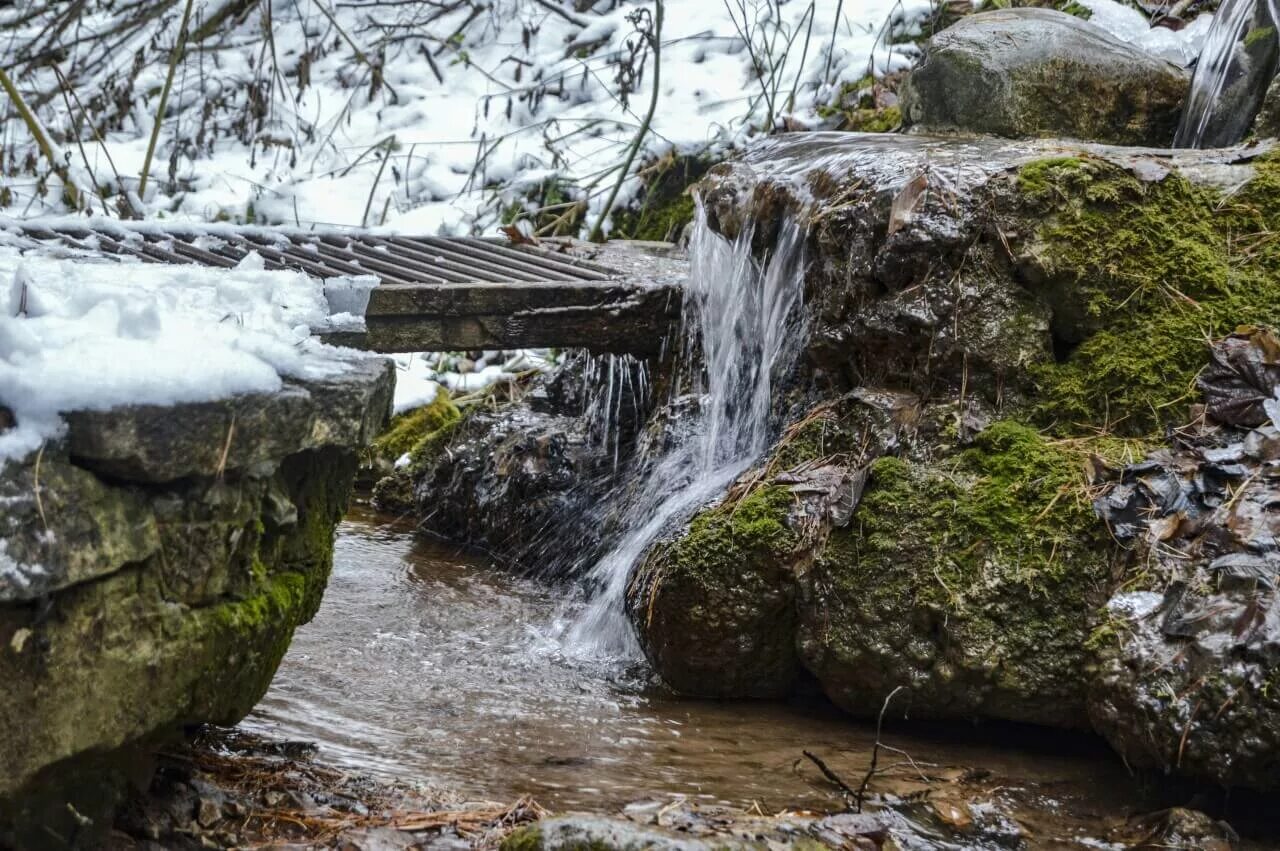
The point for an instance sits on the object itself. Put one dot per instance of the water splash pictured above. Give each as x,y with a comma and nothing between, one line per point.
740,334
1237,63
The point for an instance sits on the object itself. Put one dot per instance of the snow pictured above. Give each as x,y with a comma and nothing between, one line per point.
1128,24
79,334
524,98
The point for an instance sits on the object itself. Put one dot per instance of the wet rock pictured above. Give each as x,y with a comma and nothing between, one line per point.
716,606
968,579
147,583
1183,828
503,478
1187,656
1267,124
1026,73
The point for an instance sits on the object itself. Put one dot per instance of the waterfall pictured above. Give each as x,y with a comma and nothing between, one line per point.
1236,65
741,333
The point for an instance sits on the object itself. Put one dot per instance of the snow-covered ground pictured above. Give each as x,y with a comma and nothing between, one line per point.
424,116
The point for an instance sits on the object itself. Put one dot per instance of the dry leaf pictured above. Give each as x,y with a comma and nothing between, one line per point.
904,206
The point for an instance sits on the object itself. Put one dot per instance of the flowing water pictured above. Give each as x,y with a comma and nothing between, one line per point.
741,335
429,666
1237,63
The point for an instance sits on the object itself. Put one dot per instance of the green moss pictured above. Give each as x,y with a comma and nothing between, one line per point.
1141,275
855,105
1258,34
666,204
524,839
416,432
662,222
980,571
721,539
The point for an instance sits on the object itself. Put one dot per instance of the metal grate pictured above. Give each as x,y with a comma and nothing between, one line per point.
394,260
433,293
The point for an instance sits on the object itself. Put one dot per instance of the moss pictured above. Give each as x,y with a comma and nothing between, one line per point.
415,432
980,572
857,110
1141,274
666,204
662,222
1257,35
715,607
524,839
722,538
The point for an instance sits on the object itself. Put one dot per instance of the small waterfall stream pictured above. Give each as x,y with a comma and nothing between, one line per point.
1237,63
741,333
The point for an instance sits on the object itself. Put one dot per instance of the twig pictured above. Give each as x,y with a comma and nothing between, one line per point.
69,190
386,155
848,791
174,56
35,489
551,7
860,796
597,233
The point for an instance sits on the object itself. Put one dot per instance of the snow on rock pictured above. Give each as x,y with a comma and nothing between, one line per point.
79,334
1128,24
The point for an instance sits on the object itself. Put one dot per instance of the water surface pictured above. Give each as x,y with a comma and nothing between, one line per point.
431,666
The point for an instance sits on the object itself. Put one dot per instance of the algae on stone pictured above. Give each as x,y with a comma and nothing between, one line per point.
971,580
1142,274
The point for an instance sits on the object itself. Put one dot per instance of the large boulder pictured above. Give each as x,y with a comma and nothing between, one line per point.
153,566
1036,300
1026,73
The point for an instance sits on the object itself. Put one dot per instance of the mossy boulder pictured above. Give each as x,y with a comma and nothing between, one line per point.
130,608
970,579
716,606
1034,73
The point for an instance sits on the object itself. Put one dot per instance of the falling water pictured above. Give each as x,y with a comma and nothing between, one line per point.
1237,63
740,334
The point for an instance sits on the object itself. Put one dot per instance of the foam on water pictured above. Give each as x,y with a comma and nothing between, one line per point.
740,335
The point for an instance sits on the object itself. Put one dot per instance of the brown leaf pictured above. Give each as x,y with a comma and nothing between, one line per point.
905,204
517,235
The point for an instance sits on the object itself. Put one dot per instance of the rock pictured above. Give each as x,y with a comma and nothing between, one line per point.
716,607
148,443
995,282
1267,124
1188,654
1183,828
501,478
146,585
1029,73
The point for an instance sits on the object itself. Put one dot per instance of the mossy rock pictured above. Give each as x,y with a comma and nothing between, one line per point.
970,580
417,432
1039,73
715,606
1141,274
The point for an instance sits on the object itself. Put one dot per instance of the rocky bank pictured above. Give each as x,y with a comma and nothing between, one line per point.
155,563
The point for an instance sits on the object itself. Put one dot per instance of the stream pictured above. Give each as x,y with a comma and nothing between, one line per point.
430,666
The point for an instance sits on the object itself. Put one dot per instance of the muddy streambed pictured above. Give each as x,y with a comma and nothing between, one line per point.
430,666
